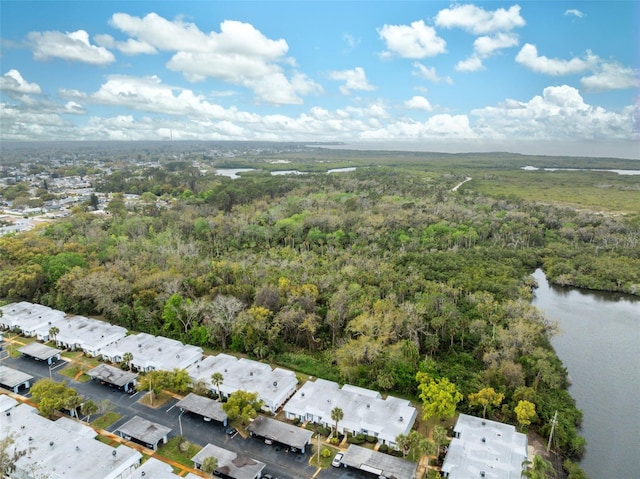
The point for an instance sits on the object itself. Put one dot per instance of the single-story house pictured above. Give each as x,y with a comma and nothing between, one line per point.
273,386
364,410
231,465
484,448
29,318
153,353
88,334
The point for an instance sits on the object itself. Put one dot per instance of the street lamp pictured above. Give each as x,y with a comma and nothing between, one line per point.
180,420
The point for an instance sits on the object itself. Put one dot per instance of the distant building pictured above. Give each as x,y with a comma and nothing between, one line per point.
365,412
379,464
88,335
29,319
484,449
273,386
230,464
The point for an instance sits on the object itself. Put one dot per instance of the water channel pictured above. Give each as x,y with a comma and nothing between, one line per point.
599,343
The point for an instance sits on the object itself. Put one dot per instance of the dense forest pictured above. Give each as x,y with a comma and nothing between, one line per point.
367,277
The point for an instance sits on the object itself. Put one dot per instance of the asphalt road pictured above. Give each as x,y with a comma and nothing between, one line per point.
280,463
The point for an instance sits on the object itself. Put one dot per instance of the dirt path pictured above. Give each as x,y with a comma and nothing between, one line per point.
455,188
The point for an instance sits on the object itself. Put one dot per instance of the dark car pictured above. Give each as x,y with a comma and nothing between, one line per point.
231,431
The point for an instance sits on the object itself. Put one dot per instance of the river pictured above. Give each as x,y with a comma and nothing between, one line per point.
599,343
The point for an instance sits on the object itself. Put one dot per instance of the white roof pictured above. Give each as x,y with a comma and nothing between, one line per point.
62,450
363,409
155,352
492,447
231,463
28,316
273,386
89,334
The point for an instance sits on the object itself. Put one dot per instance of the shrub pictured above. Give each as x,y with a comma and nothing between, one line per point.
184,446
383,448
359,439
326,452
371,439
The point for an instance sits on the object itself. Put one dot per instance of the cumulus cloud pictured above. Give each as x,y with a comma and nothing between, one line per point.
479,21
573,13
412,41
239,54
559,113
355,79
612,76
429,73
13,82
418,103
73,46
528,56
471,64
488,44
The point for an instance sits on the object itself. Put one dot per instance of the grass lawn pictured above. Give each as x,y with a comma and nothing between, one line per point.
155,400
172,450
105,420
76,372
327,453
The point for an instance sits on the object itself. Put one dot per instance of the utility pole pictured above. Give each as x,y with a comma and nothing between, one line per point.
180,421
554,421
318,448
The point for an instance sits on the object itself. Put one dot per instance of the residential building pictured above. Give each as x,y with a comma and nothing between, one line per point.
87,334
29,319
364,410
484,449
230,464
273,386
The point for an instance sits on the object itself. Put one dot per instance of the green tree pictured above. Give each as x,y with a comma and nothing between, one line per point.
242,404
539,468
52,396
126,359
439,396
209,465
484,398
525,412
53,332
89,408
337,415
439,435
216,380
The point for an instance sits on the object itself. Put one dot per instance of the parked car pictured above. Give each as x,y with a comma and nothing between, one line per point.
231,431
268,441
337,460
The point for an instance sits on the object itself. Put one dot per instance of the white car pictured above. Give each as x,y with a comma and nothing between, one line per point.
337,461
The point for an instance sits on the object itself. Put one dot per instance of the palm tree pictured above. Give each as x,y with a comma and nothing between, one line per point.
439,436
216,380
127,358
53,332
88,408
209,465
337,415
403,442
540,468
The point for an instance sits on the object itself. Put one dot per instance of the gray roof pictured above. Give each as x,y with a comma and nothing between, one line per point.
204,406
11,378
230,463
111,375
144,430
39,351
280,431
379,463
492,447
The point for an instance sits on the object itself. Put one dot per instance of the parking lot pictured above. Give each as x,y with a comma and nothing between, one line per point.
281,462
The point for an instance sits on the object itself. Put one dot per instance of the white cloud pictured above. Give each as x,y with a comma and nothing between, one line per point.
355,79
350,40
74,46
135,47
429,73
471,64
478,21
612,76
239,54
418,103
574,13
13,82
489,44
559,113
412,41
528,56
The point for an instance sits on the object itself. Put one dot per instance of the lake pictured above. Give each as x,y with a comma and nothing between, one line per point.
599,343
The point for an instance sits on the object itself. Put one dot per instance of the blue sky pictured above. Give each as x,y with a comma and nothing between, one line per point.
545,77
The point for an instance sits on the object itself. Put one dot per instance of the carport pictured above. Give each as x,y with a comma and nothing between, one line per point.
378,463
205,407
41,352
12,379
144,432
293,436
124,380
230,464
